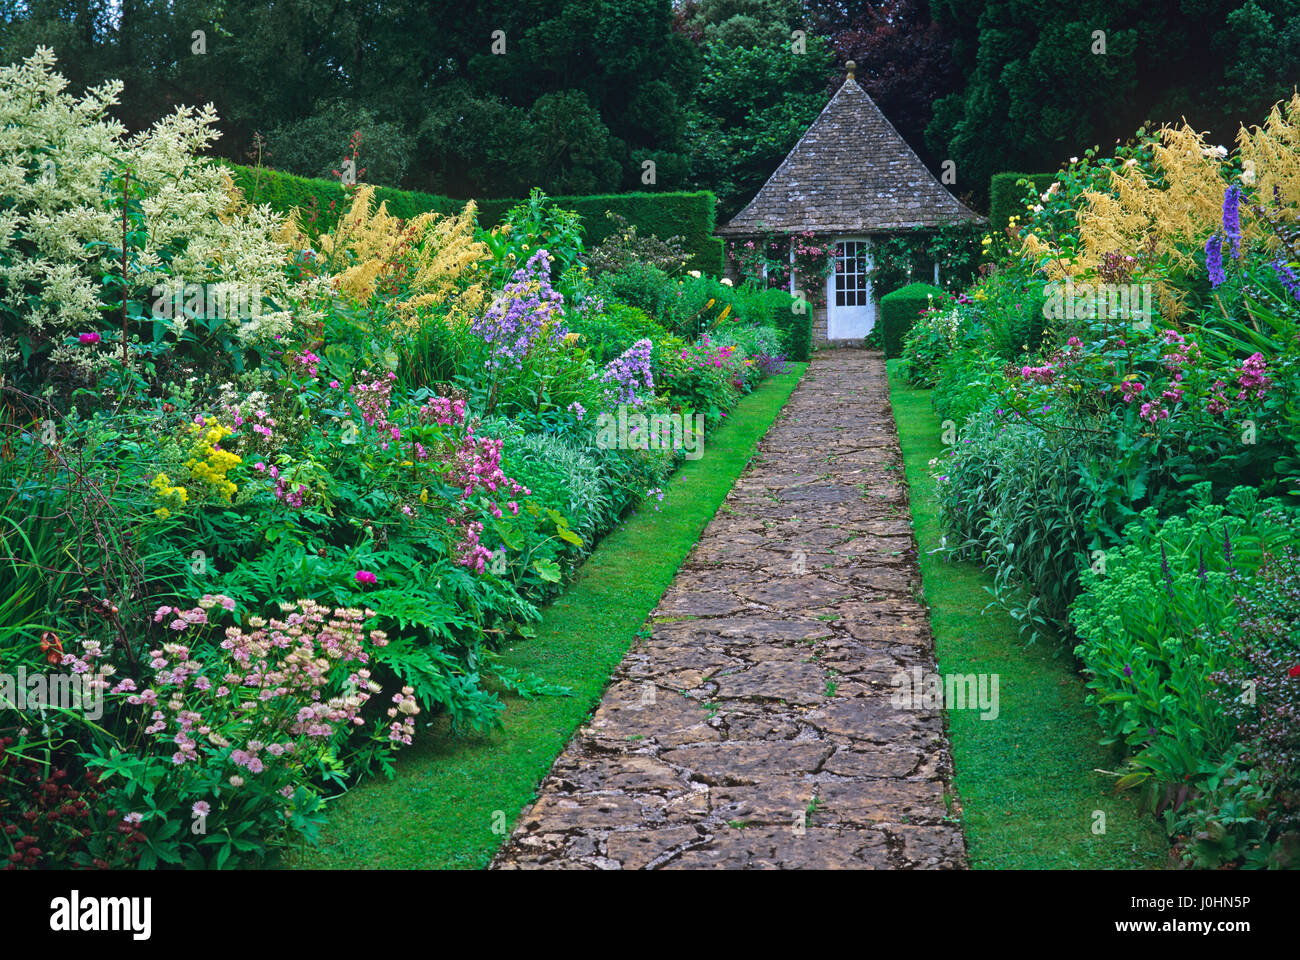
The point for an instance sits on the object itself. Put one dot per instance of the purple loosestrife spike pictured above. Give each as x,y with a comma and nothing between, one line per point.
1164,569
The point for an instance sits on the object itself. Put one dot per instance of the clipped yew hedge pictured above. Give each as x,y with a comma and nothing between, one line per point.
899,310
284,191
689,215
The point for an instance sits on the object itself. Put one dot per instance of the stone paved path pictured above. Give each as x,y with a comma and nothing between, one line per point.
754,727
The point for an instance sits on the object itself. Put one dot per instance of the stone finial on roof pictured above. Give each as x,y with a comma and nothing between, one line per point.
853,69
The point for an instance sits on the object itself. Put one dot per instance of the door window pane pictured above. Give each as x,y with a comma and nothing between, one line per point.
851,274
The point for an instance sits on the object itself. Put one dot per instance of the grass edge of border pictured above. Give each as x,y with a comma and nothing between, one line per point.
1045,744
475,787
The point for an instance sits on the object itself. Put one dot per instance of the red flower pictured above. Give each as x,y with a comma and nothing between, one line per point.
1294,671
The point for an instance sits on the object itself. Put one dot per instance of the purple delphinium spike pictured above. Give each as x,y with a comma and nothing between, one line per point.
1214,260
1287,277
1232,218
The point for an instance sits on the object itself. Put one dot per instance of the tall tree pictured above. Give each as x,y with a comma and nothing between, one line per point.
751,108
304,67
904,59
1044,80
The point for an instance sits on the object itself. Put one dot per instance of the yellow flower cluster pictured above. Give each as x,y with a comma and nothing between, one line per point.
207,464
169,494
207,467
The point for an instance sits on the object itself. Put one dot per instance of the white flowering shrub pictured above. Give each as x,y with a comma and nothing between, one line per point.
57,152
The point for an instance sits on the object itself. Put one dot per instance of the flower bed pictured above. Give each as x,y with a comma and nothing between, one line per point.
1121,395
371,476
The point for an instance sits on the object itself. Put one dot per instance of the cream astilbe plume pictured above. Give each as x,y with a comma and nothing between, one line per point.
1273,153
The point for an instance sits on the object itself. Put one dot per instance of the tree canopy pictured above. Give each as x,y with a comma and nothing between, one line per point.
488,98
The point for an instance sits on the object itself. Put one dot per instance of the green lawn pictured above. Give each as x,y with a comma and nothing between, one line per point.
1027,780
451,791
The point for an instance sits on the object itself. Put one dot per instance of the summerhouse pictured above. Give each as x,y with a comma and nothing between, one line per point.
850,180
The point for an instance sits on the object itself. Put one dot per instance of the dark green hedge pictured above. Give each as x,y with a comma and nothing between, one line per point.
899,310
284,191
1006,199
795,327
688,215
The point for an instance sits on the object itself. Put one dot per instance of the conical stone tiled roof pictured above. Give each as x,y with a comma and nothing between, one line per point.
851,173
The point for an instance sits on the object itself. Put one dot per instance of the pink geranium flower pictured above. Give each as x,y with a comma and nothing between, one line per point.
365,576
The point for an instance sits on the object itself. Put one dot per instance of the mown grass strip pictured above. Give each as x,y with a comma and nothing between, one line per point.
1027,780
450,791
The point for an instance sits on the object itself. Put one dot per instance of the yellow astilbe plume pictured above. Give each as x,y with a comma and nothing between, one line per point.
1168,217
433,258
1270,155
446,256
291,233
1055,267
362,245
236,205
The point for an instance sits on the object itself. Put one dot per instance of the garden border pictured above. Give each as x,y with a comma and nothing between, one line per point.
455,799
1030,781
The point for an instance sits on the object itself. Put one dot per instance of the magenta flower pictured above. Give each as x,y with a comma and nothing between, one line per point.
1253,380
365,576
86,338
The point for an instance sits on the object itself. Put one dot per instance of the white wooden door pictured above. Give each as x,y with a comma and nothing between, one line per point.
850,303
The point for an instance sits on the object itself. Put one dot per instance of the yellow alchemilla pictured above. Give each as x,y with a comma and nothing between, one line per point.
207,465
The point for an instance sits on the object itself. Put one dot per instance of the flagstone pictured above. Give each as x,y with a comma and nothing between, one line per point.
755,726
